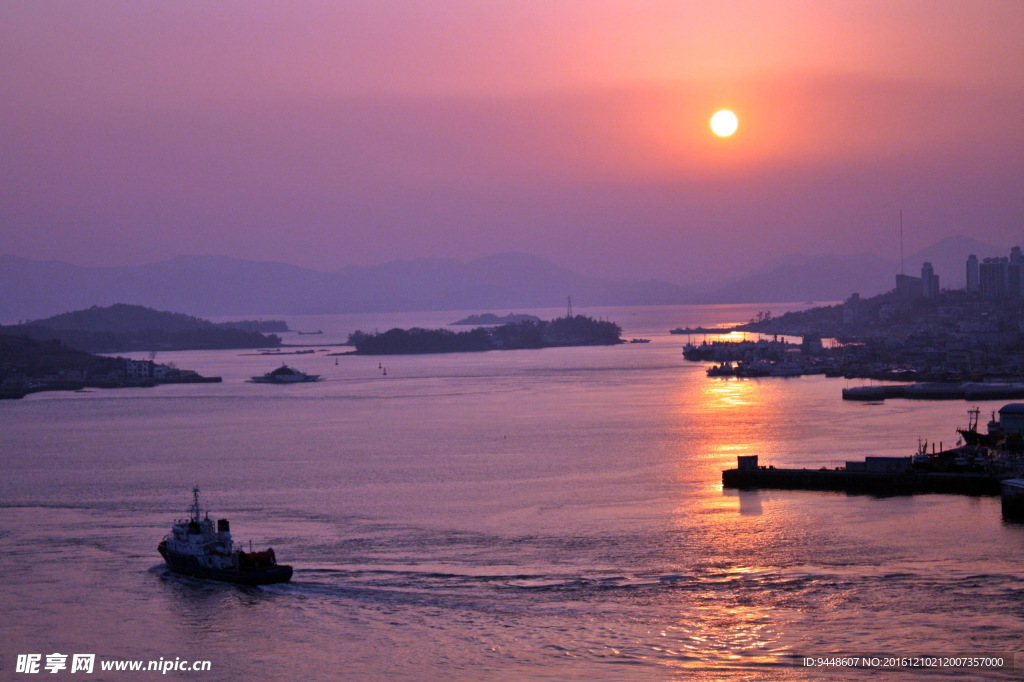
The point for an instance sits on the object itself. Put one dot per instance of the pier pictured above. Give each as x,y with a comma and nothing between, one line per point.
937,391
1013,499
749,476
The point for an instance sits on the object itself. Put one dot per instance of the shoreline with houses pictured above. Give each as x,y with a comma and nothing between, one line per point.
29,366
915,333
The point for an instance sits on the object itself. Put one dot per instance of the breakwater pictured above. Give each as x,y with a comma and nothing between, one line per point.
937,391
864,482
1013,499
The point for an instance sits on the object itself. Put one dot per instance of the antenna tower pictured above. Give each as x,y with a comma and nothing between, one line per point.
901,241
569,311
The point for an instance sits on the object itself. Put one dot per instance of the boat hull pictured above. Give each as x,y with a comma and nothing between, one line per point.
187,565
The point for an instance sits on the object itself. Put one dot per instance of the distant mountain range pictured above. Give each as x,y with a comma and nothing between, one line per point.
219,285
223,286
835,277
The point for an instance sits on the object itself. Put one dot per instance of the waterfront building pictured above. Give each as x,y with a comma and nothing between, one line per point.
138,369
1011,418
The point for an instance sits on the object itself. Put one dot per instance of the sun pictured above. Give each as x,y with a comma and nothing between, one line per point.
724,123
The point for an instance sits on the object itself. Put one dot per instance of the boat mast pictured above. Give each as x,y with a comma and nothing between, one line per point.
195,504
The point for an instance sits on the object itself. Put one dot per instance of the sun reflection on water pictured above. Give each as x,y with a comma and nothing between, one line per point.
730,417
726,635
735,618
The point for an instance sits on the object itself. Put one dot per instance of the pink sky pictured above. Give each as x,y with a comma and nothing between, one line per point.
328,134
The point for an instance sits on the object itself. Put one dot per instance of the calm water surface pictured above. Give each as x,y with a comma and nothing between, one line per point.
552,514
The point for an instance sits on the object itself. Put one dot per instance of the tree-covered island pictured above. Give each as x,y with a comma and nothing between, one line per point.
490,319
121,327
578,330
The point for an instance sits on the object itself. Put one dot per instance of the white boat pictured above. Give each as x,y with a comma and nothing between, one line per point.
285,375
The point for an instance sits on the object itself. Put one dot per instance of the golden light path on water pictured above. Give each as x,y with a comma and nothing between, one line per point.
730,417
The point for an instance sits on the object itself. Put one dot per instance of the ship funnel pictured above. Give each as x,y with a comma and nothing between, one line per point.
223,530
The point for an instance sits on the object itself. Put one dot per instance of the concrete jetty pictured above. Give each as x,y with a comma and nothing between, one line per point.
883,479
937,391
1013,499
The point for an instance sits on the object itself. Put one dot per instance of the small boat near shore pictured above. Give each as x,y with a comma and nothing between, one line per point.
285,375
199,548
725,369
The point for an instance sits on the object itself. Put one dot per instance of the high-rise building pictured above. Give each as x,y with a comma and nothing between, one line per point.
973,280
993,277
1002,277
929,281
1015,280
1015,276
908,288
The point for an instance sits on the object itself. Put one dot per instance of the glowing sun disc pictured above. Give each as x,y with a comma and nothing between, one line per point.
724,123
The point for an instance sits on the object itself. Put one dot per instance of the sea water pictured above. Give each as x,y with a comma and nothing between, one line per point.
539,514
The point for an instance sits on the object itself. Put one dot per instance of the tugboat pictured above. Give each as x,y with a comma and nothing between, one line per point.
194,548
285,375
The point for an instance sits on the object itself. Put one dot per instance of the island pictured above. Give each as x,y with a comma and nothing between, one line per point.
29,365
490,319
121,327
578,330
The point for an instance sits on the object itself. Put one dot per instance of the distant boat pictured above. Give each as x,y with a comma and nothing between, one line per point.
318,331
285,375
700,330
639,340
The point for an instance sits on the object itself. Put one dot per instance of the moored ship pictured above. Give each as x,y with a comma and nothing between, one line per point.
199,548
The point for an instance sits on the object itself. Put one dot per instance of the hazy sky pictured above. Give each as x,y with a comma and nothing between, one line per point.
344,132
